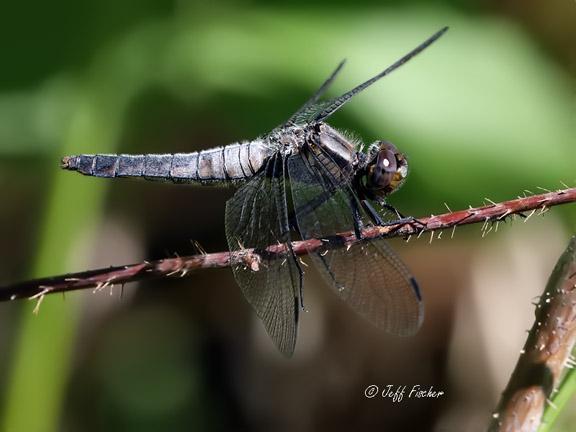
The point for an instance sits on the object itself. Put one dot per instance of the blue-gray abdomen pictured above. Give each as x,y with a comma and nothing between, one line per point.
234,162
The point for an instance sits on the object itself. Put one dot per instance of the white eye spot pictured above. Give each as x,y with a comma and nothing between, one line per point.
386,163
403,171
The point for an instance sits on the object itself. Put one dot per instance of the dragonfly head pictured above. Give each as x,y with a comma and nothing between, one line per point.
386,171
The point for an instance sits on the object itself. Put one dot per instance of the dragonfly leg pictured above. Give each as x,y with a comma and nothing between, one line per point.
372,213
393,210
357,218
411,221
402,220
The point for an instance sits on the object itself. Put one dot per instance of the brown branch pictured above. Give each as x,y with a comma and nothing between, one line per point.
545,354
101,278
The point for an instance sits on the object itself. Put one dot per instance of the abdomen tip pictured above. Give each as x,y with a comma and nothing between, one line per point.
67,162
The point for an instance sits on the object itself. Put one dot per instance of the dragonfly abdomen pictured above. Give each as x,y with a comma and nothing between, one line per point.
234,162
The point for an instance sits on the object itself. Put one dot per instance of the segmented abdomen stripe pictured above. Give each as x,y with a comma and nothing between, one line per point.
233,162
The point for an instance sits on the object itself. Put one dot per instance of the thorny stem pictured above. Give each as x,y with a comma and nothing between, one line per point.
99,279
546,353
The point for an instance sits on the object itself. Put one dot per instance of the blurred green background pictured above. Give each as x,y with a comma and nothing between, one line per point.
488,111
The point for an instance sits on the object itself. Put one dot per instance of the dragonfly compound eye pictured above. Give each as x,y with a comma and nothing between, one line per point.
387,171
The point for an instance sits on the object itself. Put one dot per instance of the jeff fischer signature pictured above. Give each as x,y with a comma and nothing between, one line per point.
397,392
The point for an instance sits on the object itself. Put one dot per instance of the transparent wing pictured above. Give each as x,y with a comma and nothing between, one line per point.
335,104
377,284
314,111
368,276
256,217
311,108
308,113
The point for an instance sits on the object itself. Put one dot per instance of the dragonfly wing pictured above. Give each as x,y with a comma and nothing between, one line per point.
368,276
256,217
375,283
312,108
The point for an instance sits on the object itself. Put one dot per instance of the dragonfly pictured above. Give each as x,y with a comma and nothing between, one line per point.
304,179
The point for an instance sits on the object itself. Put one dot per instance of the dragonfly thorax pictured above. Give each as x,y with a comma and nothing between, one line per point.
341,148
289,139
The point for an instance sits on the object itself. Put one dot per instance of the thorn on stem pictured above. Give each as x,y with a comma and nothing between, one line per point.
38,303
